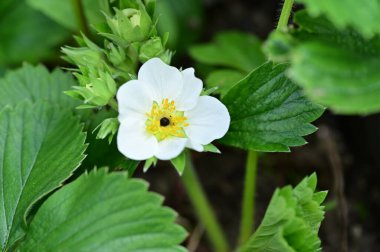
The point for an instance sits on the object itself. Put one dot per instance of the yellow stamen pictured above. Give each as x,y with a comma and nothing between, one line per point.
177,120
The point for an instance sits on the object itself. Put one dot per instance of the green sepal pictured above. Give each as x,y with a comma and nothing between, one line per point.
149,162
107,128
209,91
211,148
179,162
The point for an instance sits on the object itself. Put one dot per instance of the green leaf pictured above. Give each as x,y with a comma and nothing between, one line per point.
63,12
224,79
268,111
338,69
104,212
291,222
179,163
27,35
35,83
40,146
362,15
237,50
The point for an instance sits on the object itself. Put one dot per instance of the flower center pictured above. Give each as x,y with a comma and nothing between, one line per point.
164,120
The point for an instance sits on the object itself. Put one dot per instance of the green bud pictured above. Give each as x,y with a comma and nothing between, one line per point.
87,55
95,87
129,25
107,128
151,49
116,55
83,56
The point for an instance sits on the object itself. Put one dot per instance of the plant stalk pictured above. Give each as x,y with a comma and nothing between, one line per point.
203,208
285,14
248,204
81,17
113,104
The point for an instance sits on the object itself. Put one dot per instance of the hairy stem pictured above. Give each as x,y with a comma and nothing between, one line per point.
203,208
248,204
285,14
81,17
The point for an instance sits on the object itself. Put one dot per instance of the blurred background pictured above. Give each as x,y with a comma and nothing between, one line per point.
345,152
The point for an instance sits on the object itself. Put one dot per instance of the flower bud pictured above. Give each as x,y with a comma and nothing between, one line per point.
96,87
107,128
129,25
151,49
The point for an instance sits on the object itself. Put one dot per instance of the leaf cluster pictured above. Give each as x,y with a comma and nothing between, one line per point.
292,220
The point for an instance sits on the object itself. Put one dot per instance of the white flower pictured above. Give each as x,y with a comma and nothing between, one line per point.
162,112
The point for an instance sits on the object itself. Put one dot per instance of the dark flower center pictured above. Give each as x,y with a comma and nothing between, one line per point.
164,121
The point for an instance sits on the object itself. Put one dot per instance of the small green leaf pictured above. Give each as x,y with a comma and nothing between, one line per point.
291,222
268,111
338,69
40,146
179,163
211,148
237,50
104,212
362,15
35,83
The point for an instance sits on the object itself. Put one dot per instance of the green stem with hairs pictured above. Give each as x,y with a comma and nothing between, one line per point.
248,203
203,208
285,14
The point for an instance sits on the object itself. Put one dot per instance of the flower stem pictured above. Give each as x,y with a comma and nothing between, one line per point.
285,14
81,17
203,208
248,204
113,104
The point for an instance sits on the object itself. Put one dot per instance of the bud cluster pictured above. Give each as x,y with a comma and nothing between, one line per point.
129,39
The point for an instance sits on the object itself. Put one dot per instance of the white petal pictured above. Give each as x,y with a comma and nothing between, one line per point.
208,121
195,146
133,96
170,148
162,81
192,88
134,142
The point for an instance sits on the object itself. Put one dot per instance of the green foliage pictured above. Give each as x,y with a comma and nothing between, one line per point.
35,83
40,146
64,13
292,220
337,68
182,19
27,35
268,111
230,49
364,16
112,213
234,53
223,79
